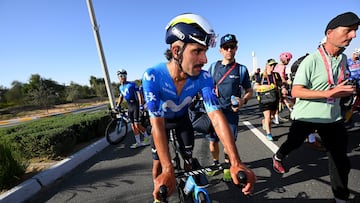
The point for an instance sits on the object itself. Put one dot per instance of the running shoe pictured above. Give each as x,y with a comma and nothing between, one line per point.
136,145
276,122
146,141
227,175
269,137
278,166
213,172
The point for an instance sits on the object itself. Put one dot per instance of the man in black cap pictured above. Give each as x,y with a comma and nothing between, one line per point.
318,86
229,77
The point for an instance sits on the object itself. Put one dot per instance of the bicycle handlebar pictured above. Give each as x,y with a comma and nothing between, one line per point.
163,194
241,178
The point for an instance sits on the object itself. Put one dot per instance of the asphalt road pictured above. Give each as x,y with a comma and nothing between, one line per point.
120,174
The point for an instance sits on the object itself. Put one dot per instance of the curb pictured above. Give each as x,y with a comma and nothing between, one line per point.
34,185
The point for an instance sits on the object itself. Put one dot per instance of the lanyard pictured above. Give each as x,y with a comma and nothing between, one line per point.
227,73
328,68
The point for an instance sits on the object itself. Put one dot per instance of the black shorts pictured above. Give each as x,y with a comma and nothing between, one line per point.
184,134
271,106
133,112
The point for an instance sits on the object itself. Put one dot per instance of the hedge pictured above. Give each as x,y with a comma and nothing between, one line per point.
49,138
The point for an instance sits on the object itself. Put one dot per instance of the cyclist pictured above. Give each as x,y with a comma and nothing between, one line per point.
169,89
280,68
133,97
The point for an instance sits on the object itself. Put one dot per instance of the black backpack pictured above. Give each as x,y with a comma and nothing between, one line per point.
296,65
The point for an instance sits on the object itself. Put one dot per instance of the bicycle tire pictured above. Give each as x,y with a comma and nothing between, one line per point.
182,196
116,131
202,197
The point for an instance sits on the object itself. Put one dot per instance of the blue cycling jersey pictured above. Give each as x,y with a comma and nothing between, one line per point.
128,91
162,99
354,67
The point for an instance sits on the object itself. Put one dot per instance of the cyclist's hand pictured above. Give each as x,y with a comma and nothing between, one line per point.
250,176
167,179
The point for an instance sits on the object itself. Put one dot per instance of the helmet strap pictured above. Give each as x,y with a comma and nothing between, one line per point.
179,58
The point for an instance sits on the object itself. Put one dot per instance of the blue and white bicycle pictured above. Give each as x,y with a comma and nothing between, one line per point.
191,185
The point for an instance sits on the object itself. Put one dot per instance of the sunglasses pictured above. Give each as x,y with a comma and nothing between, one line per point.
230,46
122,76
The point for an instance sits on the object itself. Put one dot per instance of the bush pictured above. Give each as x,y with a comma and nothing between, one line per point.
48,138
12,164
55,136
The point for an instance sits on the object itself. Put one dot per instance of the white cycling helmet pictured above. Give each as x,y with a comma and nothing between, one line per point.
121,72
190,28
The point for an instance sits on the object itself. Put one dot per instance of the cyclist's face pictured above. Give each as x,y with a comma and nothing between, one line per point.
194,58
122,78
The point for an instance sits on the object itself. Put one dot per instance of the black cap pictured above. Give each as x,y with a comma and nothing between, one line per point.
228,38
343,20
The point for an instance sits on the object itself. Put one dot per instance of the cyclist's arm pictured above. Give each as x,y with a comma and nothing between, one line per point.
223,131
120,99
167,176
140,97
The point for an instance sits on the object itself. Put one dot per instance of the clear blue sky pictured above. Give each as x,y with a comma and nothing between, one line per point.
54,38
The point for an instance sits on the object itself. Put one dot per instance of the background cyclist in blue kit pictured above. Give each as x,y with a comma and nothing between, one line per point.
130,92
168,91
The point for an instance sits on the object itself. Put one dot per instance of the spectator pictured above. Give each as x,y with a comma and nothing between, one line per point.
280,68
229,77
269,80
318,91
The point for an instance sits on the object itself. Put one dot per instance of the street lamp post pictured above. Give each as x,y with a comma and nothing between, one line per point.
101,54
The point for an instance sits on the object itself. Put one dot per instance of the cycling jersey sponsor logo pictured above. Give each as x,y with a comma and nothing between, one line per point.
169,91
178,33
150,97
206,74
234,76
149,77
190,87
173,107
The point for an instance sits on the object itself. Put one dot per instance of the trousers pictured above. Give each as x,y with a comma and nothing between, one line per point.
335,139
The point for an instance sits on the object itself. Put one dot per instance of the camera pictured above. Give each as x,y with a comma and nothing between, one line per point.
351,82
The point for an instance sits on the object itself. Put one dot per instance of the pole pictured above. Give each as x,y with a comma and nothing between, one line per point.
254,61
101,54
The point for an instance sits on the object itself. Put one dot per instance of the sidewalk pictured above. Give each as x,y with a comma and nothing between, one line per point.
34,185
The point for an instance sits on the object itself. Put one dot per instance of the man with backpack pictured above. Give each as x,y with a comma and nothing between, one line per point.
229,78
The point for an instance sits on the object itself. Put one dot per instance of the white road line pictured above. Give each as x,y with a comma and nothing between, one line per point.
273,147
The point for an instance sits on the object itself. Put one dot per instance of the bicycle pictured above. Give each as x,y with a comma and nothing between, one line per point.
117,128
191,185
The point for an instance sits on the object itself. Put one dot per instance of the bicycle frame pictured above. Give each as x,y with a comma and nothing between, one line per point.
189,186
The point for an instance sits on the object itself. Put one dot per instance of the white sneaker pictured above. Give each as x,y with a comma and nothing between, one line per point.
136,145
275,121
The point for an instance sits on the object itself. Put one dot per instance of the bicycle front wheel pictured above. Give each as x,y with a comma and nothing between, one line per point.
201,198
116,131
